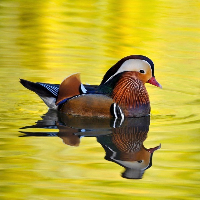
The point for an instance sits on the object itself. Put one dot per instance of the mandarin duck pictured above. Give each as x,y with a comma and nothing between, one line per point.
121,93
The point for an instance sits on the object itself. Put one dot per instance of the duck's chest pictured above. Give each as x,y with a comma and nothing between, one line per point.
137,111
132,97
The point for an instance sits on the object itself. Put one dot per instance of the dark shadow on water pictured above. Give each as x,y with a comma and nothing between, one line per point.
121,140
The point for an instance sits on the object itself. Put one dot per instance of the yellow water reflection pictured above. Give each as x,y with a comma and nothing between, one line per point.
122,139
48,40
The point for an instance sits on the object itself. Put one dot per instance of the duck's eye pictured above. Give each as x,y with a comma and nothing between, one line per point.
139,161
142,71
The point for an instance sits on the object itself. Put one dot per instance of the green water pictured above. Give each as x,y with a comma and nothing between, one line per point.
46,41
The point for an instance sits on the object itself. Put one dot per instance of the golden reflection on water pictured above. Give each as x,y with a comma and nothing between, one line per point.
122,139
49,40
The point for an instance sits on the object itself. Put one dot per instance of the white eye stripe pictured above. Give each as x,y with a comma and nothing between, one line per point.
148,64
132,65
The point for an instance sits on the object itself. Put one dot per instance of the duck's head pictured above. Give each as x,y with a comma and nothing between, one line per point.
142,65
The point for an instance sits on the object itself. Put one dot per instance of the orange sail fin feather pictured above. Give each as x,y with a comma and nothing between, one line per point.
69,87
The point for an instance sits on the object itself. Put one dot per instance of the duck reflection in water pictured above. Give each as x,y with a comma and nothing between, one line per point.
121,140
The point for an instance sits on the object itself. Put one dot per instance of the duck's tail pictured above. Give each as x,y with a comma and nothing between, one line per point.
47,92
